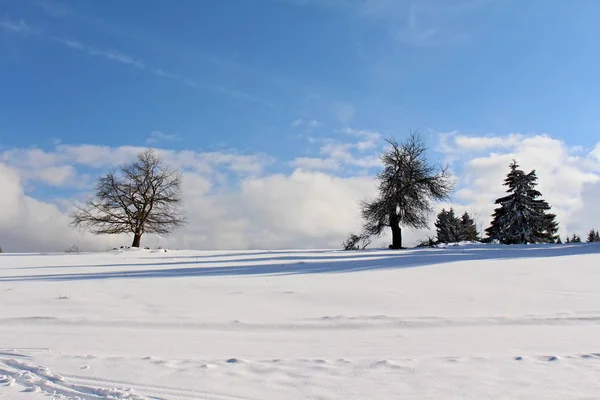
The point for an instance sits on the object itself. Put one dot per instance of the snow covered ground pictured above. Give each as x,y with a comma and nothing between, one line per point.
464,322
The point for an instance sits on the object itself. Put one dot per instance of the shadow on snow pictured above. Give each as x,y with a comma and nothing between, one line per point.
315,262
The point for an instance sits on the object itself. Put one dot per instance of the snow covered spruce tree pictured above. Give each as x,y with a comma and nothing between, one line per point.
522,216
575,238
408,184
448,227
468,229
144,197
593,236
451,229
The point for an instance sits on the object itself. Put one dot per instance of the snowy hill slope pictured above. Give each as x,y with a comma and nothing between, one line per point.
475,321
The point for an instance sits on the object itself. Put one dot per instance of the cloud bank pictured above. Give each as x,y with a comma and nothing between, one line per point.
236,201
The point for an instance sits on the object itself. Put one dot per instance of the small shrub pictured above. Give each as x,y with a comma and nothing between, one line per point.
357,242
73,249
429,242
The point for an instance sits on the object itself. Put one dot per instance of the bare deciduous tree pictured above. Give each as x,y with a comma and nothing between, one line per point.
407,186
145,197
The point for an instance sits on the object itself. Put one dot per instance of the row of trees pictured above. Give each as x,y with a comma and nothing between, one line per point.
145,196
522,216
593,237
451,229
409,184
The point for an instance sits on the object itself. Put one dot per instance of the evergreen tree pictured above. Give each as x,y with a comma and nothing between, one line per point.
522,217
597,239
559,241
468,229
568,240
592,236
448,227
575,238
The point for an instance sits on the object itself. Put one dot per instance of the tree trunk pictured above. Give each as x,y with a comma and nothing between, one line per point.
396,232
136,240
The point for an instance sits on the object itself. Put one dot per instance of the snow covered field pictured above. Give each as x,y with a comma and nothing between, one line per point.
465,322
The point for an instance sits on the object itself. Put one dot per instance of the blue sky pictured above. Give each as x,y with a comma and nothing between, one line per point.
256,88
478,66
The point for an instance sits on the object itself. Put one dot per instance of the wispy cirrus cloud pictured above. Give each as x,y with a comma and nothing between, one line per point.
303,123
316,163
21,27
417,23
16,26
117,56
112,55
55,9
159,137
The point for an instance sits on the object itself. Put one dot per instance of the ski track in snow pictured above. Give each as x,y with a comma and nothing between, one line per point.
40,379
464,322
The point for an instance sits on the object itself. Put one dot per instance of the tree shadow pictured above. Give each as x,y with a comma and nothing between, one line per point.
310,263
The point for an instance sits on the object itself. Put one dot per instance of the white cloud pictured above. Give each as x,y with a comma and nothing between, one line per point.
468,143
158,136
341,154
354,153
314,163
596,152
58,167
454,143
299,123
28,224
232,203
303,209
587,216
368,139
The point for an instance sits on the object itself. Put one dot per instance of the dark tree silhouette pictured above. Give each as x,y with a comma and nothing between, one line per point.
144,197
593,236
575,238
451,229
468,231
407,186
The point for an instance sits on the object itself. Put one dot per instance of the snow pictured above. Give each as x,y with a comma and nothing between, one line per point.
457,322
